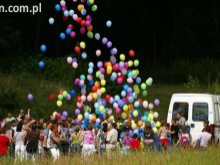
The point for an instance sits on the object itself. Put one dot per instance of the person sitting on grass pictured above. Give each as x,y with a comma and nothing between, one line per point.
148,136
135,143
204,139
183,139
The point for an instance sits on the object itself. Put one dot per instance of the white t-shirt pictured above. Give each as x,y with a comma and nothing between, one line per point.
112,136
19,138
205,138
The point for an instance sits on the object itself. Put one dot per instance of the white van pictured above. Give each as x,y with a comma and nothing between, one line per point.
196,108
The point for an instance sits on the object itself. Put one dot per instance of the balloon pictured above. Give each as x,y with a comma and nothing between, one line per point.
122,57
157,102
143,86
145,104
124,115
109,23
156,115
59,103
69,60
118,111
134,126
60,97
98,53
82,45
62,36
140,123
52,96
149,81
65,114
109,44
90,34
155,130
84,55
136,63
73,34
41,64
150,106
77,49
57,7
75,65
58,116
97,36
30,97
135,113
79,117
43,48
94,8
158,124
131,53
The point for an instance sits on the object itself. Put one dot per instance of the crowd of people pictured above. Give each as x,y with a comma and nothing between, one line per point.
25,138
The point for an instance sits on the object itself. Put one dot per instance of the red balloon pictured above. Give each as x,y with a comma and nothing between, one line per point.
60,92
52,96
77,49
78,99
107,98
94,89
131,53
65,18
83,23
79,19
70,26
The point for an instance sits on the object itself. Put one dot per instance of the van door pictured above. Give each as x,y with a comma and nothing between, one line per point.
198,115
216,121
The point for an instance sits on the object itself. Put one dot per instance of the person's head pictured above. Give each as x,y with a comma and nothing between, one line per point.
206,123
7,126
135,136
105,127
178,115
9,115
184,130
207,129
77,129
173,121
126,133
19,126
163,123
34,127
52,128
90,127
111,125
2,130
147,125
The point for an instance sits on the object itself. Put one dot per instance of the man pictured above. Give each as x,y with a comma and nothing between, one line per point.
181,119
174,131
10,118
112,137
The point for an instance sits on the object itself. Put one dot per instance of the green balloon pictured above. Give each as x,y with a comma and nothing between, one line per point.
149,81
98,73
90,34
143,86
136,63
60,97
144,93
65,93
94,8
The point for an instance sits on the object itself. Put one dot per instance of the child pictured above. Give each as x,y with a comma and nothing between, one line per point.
183,138
126,142
75,140
135,143
148,136
162,132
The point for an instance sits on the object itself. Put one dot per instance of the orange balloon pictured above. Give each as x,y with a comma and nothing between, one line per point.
80,7
90,28
140,123
97,84
109,70
131,107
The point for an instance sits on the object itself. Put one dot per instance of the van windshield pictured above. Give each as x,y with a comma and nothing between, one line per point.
200,112
180,107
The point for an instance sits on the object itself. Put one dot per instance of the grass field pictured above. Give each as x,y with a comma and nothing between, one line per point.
211,156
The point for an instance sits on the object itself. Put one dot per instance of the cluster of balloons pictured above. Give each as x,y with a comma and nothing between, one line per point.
94,102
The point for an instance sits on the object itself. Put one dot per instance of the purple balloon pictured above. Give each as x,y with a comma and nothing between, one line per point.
74,60
114,51
77,111
109,44
104,40
113,59
30,97
65,114
157,102
99,64
68,97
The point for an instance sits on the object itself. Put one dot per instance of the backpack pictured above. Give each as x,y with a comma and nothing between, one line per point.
184,140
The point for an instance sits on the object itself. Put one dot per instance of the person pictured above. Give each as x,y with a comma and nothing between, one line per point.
112,137
88,141
174,131
54,143
183,139
148,136
181,120
31,140
46,143
9,118
75,140
135,143
101,138
19,138
205,137
65,134
162,132
126,142
4,142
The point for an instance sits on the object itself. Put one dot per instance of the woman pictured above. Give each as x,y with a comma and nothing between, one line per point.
75,140
88,140
4,142
54,142
19,138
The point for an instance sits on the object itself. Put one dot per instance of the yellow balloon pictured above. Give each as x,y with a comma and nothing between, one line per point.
135,113
95,95
101,108
91,2
80,117
103,82
122,57
111,118
125,108
59,103
134,126
151,116
158,124
54,114
109,70
103,90
123,115
82,45
155,129
130,63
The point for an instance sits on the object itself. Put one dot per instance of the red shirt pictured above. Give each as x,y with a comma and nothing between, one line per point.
4,144
135,144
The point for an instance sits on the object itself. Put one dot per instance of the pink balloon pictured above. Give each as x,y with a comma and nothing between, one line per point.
73,34
118,111
69,60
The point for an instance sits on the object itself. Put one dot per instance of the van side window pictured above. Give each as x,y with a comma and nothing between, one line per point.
200,112
180,107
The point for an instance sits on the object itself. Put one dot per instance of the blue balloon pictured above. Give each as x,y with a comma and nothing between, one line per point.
123,93
82,77
90,70
62,36
84,55
66,13
57,7
97,111
86,123
136,104
91,65
96,105
51,20
130,99
68,31
138,80
83,12
43,48
72,92
109,23
91,82
41,64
